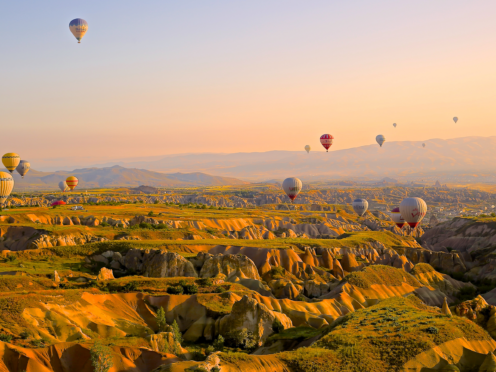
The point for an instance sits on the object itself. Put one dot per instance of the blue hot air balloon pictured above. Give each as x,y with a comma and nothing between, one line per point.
78,28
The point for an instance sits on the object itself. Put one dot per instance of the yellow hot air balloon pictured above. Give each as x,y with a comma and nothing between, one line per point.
6,186
11,161
71,182
307,148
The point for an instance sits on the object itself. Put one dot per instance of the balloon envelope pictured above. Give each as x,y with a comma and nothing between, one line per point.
396,217
59,202
413,210
292,187
326,141
394,125
63,186
455,119
23,167
6,186
11,160
307,148
360,206
380,139
78,28
423,145
71,182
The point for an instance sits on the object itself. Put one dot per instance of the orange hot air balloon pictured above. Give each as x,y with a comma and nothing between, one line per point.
72,182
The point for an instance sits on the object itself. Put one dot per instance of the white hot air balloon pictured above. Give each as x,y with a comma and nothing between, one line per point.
413,210
360,206
307,148
455,119
23,167
396,217
394,125
380,139
292,187
63,186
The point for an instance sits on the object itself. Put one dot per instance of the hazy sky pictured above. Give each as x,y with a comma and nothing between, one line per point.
159,77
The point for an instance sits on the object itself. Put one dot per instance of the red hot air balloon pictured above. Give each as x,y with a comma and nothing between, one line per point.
396,217
59,202
326,141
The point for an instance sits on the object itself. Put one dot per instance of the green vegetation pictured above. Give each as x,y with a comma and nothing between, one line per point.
161,320
380,274
101,357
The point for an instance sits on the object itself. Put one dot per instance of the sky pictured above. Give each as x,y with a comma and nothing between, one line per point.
160,77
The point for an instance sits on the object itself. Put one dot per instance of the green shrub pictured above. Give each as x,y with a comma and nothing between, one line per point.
190,289
175,290
277,326
204,282
5,337
161,320
101,357
220,290
432,330
219,344
209,350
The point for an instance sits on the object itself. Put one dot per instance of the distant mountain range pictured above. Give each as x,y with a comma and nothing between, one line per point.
460,160
469,159
118,176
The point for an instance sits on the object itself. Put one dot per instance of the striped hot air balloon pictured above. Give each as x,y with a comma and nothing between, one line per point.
78,28
6,186
326,141
23,168
413,210
71,182
396,217
11,160
292,187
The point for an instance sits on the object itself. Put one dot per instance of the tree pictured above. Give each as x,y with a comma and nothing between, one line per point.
161,320
178,338
101,357
219,344
277,326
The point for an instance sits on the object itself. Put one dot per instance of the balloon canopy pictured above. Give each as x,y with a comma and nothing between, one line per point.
292,187
360,206
396,217
380,139
413,210
326,141
58,202
78,28
71,182
11,160
307,148
6,186
23,168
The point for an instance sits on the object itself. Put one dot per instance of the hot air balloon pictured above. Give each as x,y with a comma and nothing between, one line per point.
326,141
307,148
380,139
63,186
71,182
6,186
423,145
455,119
78,28
396,217
360,206
11,161
58,202
23,168
413,210
292,187
394,125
